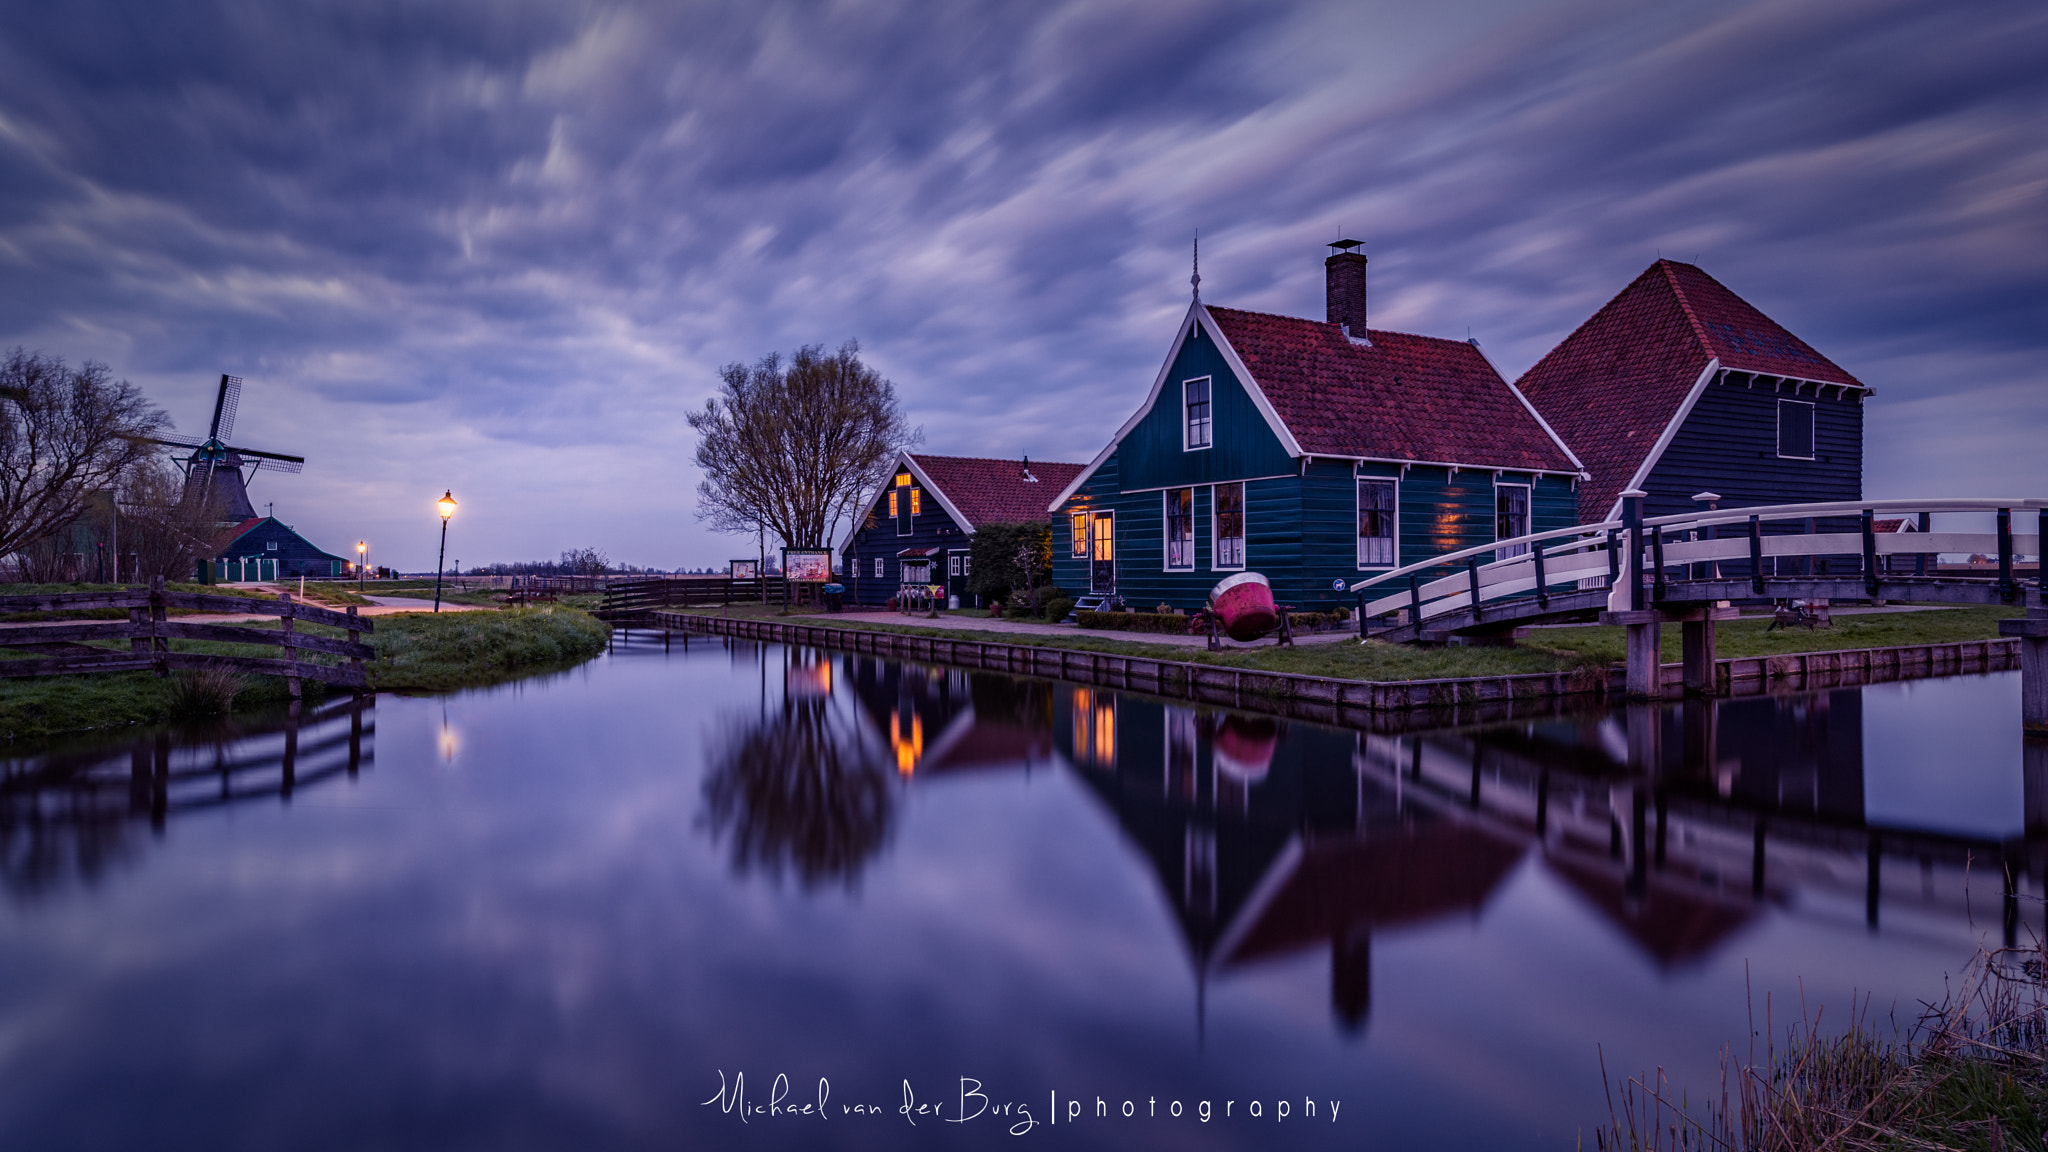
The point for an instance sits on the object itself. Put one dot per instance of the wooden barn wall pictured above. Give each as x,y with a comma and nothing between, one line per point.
295,555
1729,444
1243,444
930,528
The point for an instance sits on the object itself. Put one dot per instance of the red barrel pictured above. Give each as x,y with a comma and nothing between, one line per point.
1244,606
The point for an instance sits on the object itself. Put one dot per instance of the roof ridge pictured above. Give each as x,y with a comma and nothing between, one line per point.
1699,330
1328,324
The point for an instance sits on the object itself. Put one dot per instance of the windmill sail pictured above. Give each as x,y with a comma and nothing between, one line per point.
213,471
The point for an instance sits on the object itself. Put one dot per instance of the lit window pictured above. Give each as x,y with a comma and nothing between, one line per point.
1229,526
916,504
1376,524
1180,528
892,502
1196,399
1080,530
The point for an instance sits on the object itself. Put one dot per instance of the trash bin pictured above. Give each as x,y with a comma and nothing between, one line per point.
835,597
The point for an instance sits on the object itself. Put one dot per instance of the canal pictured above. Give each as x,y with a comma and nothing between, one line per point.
573,912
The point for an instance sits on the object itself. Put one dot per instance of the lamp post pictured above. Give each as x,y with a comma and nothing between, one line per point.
446,504
362,558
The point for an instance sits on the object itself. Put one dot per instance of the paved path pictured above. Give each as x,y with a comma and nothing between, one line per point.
990,624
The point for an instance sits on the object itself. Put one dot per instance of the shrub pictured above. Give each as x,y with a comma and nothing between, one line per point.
1057,608
1136,622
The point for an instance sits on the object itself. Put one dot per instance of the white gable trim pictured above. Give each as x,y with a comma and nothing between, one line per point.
1635,482
1196,314
952,510
1547,429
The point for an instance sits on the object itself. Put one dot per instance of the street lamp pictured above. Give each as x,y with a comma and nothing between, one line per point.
362,558
447,506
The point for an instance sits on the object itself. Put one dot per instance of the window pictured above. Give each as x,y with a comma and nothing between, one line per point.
1510,518
1229,550
1195,396
270,545
1795,429
1180,529
953,564
1080,532
1105,536
1377,515
916,503
892,502
967,565
878,567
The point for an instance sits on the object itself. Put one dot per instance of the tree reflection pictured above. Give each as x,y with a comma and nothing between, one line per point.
801,791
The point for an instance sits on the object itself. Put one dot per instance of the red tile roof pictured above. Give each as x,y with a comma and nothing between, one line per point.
1614,384
995,491
1404,398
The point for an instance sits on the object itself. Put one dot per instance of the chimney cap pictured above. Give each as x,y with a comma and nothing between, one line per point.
1346,245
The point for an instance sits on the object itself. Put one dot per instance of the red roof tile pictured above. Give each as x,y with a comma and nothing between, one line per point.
1404,398
996,491
1614,384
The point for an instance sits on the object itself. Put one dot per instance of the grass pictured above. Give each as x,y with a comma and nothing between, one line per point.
1750,636
430,652
415,651
1970,1073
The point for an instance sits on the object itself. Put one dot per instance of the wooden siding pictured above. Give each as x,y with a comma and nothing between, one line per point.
1729,444
930,528
1242,443
294,554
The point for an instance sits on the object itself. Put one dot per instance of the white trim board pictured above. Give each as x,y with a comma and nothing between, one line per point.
1656,453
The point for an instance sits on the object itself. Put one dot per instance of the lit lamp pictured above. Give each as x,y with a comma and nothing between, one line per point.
446,504
362,558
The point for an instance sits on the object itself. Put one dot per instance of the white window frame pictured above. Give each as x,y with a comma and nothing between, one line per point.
1187,422
1244,513
1357,510
1813,417
953,564
1166,563
878,567
1077,542
1528,517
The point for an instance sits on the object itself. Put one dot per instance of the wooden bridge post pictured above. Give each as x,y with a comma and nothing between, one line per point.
159,644
1697,638
2032,631
355,636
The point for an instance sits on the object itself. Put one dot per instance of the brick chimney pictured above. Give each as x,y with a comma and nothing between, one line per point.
1344,287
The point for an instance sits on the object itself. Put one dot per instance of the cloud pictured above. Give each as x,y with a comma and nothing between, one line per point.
504,247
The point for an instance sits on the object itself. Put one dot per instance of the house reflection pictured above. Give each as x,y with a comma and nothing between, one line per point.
73,814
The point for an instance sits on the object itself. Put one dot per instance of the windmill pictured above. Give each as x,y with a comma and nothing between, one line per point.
215,468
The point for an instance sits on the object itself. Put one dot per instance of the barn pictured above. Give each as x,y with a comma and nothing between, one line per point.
265,548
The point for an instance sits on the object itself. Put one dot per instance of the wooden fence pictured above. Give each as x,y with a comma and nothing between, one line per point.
645,594
65,648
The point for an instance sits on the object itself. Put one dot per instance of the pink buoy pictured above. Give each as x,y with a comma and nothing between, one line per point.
1244,606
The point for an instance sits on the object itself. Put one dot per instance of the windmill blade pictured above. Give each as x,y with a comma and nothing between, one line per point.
224,406
171,441
279,462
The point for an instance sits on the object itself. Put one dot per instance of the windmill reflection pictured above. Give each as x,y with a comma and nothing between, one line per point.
74,814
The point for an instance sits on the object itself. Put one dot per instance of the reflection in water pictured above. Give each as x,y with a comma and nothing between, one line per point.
72,815
1677,826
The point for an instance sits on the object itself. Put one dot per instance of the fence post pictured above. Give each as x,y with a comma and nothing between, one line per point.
1632,522
288,645
1542,584
1870,552
1926,526
355,636
1472,577
1756,556
2005,584
1657,554
159,644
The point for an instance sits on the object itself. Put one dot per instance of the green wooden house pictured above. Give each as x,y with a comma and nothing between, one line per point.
1312,451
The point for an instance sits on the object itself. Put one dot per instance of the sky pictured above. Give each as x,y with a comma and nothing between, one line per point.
502,247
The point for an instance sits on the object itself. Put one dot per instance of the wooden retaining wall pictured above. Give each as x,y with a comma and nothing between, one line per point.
1416,703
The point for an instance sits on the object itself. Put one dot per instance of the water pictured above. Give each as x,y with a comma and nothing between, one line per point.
553,914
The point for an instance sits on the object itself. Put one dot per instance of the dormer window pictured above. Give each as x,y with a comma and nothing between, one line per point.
1195,403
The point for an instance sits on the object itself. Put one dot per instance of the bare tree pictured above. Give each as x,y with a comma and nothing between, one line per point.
64,433
585,562
166,529
793,448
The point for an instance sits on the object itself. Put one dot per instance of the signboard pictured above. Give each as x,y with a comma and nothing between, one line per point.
744,569
805,565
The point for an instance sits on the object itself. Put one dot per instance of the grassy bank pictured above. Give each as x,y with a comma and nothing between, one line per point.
421,652
1971,1073
429,652
1751,636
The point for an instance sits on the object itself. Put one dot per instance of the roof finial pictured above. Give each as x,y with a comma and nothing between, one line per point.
1196,279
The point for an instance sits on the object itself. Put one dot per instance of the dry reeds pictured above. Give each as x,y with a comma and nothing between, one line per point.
208,691
1971,1073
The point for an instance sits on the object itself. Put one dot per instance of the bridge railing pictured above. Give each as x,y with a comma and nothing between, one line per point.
1753,540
